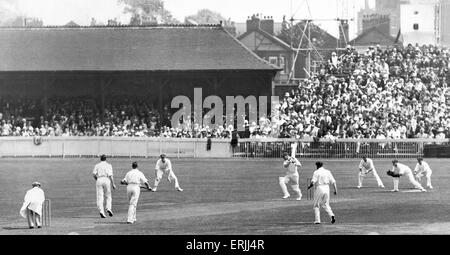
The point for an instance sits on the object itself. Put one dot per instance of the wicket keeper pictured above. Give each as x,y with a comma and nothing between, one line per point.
399,170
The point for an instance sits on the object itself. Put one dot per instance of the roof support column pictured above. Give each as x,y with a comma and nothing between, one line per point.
160,101
216,83
47,83
162,84
104,86
2,84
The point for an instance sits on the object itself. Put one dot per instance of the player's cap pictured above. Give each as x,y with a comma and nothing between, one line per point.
419,159
394,161
134,165
162,155
35,184
285,154
319,164
103,157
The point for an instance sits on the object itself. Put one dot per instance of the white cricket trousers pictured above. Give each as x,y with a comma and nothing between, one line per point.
34,219
322,199
133,192
172,177
103,186
361,177
408,174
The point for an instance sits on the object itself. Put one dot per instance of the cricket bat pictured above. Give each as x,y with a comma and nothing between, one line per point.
294,149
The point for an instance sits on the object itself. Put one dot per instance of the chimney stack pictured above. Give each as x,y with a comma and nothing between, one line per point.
268,25
259,21
253,23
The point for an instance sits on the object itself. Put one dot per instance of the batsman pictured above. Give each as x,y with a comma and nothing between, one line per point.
292,176
366,167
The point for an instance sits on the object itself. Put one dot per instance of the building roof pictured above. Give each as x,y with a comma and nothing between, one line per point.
241,27
373,36
269,36
125,48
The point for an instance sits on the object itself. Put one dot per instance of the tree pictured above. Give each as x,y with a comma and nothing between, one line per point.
9,16
206,16
148,10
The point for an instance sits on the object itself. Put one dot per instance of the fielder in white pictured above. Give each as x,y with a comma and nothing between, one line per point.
321,180
32,205
399,170
103,176
163,165
367,167
292,176
423,169
134,180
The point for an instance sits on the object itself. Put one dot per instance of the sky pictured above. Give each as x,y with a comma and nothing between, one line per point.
60,12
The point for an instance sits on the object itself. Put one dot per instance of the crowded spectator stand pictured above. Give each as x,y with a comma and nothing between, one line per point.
392,93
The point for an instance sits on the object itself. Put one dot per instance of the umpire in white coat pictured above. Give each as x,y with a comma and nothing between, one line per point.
32,205
134,180
103,176
322,179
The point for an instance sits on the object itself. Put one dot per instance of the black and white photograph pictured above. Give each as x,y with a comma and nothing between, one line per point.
224,118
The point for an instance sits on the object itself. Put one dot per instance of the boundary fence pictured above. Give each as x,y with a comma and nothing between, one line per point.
219,148
112,147
339,148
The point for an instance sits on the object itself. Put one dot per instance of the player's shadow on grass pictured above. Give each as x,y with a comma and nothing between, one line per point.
16,228
110,223
85,217
355,188
290,223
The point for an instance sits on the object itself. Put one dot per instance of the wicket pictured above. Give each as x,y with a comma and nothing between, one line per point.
47,213
309,192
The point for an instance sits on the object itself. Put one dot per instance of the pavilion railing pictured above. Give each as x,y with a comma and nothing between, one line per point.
340,148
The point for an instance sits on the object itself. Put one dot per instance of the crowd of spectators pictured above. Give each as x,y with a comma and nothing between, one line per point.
82,116
75,116
381,93
395,92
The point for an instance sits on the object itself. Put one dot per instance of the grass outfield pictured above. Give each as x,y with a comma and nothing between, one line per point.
224,197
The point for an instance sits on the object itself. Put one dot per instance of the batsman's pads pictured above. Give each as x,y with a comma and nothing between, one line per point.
282,180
